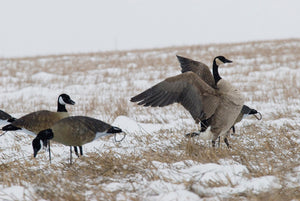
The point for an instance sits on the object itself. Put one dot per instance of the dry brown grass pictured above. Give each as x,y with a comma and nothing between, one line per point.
264,148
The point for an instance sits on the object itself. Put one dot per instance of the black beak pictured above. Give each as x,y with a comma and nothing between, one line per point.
71,102
228,61
253,111
35,153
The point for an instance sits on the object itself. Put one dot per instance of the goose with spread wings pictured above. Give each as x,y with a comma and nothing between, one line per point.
204,95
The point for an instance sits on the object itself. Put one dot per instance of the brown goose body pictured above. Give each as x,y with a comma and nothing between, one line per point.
231,103
34,122
73,131
78,130
219,101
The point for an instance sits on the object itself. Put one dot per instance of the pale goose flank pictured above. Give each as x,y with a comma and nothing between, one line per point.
221,102
246,111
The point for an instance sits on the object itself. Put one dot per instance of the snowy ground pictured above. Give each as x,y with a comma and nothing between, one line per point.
264,157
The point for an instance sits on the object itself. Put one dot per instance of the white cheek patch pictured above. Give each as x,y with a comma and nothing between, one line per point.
61,101
218,61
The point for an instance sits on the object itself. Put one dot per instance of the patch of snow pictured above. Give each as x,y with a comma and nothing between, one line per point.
15,193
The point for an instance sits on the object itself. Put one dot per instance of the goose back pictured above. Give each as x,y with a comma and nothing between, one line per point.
40,120
78,130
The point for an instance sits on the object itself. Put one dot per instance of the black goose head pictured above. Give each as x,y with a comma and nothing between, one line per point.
41,140
218,61
63,99
221,60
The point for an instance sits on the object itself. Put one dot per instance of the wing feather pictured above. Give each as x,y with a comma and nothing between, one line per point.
197,67
188,89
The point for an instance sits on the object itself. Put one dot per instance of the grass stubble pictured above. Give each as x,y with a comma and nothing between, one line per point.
264,148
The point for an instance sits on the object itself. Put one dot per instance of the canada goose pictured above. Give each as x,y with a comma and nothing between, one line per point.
5,118
245,111
221,102
34,122
73,131
204,73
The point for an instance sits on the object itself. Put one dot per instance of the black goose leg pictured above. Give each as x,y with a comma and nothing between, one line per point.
233,130
204,125
76,151
49,151
70,155
80,149
219,140
213,143
226,142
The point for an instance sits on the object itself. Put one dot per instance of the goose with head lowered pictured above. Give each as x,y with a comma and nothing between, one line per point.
218,100
73,131
34,122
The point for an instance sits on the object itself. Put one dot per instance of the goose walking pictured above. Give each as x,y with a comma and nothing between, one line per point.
205,97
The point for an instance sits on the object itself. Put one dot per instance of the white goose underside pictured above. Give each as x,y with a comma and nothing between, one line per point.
23,130
208,135
3,122
101,134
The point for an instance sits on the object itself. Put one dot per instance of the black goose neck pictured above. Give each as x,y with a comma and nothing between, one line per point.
217,77
61,107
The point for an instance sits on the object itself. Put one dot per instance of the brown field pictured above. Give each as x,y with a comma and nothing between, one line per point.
267,72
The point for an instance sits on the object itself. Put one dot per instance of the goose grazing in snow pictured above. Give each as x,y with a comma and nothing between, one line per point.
73,131
204,95
34,122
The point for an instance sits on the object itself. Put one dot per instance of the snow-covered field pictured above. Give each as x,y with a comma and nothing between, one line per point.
155,161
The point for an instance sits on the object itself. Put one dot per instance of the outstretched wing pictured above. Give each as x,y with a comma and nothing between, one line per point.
188,89
197,67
